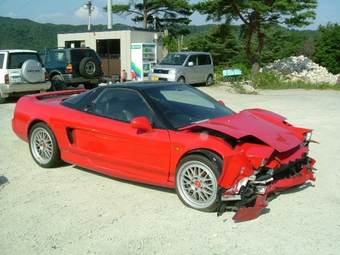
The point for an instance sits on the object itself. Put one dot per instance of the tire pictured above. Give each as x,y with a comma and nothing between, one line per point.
196,183
57,83
181,79
89,68
209,80
31,71
43,146
90,85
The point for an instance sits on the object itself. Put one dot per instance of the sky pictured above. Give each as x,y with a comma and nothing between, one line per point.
72,12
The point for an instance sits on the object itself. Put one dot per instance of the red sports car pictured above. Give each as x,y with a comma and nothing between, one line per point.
173,135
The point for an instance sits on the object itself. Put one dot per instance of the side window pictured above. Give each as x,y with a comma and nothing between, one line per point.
122,105
2,57
48,57
204,60
193,59
60,56
43,56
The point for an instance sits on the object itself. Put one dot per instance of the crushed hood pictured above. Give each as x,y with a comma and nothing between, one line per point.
264,125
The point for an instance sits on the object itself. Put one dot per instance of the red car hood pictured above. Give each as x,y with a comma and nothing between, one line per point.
264,125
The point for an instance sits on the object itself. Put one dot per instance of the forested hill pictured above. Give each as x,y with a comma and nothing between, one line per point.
27,34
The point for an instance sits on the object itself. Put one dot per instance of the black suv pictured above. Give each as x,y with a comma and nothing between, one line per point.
72,66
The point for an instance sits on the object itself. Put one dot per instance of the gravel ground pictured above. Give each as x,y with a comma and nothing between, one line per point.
70,210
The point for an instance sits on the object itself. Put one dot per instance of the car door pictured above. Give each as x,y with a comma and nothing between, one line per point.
204,67
109,141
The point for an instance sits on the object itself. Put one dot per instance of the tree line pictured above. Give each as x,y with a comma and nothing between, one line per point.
224,41
259,38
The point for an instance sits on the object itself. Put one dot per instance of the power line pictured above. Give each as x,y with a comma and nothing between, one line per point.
66,14
20,8
2,2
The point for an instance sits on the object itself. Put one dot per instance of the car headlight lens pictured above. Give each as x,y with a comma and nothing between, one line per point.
308,136
172,71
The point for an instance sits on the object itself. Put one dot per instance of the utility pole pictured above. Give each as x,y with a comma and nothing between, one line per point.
89,7
109,14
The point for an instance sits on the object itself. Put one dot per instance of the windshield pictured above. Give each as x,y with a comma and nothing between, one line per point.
183,105
173,59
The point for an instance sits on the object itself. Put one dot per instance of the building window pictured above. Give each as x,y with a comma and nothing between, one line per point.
108,48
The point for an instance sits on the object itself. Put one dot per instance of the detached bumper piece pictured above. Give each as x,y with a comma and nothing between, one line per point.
260,201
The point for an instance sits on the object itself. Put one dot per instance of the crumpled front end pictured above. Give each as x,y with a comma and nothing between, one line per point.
255,173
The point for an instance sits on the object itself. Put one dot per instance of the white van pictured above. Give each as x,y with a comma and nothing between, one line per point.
187,67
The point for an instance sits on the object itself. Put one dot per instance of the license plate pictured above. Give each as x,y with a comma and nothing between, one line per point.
15,80
155,78
94,81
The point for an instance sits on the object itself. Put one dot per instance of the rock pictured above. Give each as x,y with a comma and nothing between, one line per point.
302,68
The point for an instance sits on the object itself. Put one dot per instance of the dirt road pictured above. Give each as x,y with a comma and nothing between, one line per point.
69,210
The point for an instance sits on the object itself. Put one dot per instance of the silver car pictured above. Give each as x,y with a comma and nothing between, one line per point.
187,67
21,71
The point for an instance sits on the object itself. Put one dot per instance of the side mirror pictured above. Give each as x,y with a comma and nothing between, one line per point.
190,63
221,102
142,123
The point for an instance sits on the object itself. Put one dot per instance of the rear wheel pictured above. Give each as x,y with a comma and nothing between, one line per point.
209,80
196,183
57,83
43,146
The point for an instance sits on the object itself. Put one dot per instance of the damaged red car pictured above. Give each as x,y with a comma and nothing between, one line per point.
173,135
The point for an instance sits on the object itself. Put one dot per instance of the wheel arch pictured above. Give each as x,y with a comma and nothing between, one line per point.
45,160
213,156
182,75
32,124
54,73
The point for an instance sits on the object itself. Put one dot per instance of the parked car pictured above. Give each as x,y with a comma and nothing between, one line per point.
169,134
187,67
72,66
21,71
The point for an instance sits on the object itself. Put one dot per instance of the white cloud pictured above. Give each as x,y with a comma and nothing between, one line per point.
47,17
11,15
96,13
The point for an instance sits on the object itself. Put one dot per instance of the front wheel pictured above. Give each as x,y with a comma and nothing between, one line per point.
90,85
43,146
196,183
181,79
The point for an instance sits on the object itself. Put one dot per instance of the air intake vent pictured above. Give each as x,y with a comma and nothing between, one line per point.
70,135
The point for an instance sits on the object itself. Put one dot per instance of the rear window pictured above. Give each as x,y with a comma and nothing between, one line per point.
78,55
15,60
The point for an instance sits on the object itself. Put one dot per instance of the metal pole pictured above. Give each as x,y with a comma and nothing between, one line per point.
109,14
89,5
